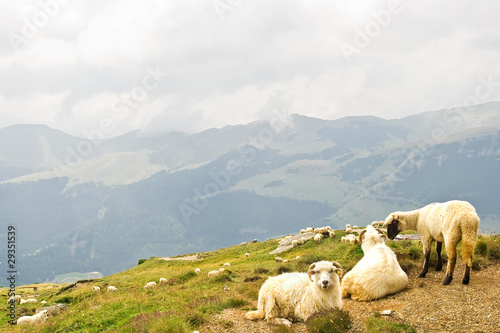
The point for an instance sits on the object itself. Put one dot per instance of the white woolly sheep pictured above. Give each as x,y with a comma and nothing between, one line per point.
163,282
96,289
378,273
285,261
278,259
29,300
355,227
331,234
447,222
318,238
213,273
297,257
112,288
297,296
309,229
40,317
247,255
43,302
303,231
197,271
227,264
351,239
348,230
343,239
15,298
295,243
302,240
221,270
347,225
150,285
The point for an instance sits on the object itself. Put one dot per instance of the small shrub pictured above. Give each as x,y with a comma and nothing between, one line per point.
482,248
141,261
221,278
378,324
283,269
329,322
261,270
282,329
233,303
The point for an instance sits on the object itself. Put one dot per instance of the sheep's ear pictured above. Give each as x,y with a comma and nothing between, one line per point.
381,233
361,236
311,271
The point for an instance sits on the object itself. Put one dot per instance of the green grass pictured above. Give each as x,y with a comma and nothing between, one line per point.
188,301
378,324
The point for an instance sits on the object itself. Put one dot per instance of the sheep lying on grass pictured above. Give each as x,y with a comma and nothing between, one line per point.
447,222
40,317
297,296
213,273
150,285
376,275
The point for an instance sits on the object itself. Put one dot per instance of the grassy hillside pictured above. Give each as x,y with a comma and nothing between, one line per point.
189,300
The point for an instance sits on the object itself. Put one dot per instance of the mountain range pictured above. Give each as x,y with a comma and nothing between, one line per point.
83,204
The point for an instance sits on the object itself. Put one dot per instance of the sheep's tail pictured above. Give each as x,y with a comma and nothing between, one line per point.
469,238
254,315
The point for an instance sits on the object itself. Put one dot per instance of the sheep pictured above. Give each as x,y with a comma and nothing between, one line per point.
343,239
352,239
285,261
163,282
112,288
278,259
309,229
247,255
15,298
43,302
331,234
197,271
295,243
150,285
29,300
302,240
378,273
447,222
321,230
227,264
297,296
303,231
355,227
40,317
318,238
221,270
213,273
297,258
377,224
96,289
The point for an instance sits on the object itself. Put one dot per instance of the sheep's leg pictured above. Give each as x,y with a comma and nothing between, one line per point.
468,245
466,275
439,246
451,251
427,254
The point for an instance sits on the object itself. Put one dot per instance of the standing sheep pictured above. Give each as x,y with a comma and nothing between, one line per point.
447,222
96,289
247,255
318,238
213,273
298,296
197,271
162,282
112,288
295,243
376,275
40,317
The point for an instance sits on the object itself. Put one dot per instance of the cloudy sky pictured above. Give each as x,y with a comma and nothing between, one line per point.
188,65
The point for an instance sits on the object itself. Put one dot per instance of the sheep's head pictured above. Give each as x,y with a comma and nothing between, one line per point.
324,273
371,236
395,224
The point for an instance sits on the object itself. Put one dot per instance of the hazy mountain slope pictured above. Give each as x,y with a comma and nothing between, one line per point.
136,196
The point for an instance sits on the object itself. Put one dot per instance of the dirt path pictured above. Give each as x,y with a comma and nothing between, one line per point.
426,305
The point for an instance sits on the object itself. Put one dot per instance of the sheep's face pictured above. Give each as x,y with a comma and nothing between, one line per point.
324,274
394,225
371,236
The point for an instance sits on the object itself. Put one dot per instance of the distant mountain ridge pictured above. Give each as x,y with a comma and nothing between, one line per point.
83,205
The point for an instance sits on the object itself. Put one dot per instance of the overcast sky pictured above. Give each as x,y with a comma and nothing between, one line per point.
188,65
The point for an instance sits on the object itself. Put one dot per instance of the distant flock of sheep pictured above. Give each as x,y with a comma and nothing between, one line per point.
297,296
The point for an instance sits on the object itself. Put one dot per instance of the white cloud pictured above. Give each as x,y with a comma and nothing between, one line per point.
230,68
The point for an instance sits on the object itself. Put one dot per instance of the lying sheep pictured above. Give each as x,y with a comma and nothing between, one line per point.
163,282
40,317
112,288
447,222
247,255
96,289
29,300
378,273
226,264
297,296
213,273
15,298
197,271
278,259
150,285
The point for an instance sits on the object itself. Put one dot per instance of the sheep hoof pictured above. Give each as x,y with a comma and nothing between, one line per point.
447,280
421,275
465,281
